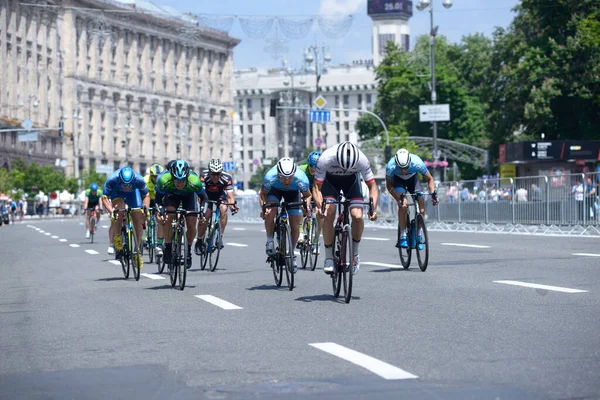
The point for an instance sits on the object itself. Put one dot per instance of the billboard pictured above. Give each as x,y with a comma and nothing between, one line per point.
400,8
553,150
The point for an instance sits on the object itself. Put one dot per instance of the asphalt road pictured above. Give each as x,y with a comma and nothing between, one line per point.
72,328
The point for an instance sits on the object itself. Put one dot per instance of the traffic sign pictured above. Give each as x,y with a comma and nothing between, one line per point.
28,136
434,112
320,116
27,124
229,165
318,142
320,102
63,163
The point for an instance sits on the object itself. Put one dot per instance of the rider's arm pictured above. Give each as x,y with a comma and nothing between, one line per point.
107,204
430,182
85,203
146,201
318,196
389,184
373,192
262,197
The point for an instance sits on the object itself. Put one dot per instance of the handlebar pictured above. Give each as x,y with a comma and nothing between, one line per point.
285,205
343,200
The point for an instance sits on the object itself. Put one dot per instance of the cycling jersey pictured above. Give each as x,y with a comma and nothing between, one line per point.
224,184
151,186
416,166
169,195
133,198
328,165
311,178
271,181
93,197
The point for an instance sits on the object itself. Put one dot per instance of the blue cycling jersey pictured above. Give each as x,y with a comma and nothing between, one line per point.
112,187
300,181
416,166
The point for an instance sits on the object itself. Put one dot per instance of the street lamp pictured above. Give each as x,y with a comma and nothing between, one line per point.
125,143
320,56
422,5
290,98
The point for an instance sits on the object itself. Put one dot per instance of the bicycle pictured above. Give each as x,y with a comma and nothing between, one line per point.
92,212
131,248
212,237
309,250
151,241
284,250
179,246
343,251
414,242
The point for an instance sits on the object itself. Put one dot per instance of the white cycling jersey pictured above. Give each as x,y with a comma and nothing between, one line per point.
328,165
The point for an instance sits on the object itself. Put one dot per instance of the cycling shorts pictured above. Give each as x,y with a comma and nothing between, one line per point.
188,201
290,196
350,184
133,199
410,185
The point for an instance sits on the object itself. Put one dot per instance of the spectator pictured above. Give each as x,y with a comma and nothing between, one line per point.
536,193
590,196
464,194
521,195
451,193
577,192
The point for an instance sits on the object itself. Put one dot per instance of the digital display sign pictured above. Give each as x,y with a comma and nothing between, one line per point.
554,150
390,7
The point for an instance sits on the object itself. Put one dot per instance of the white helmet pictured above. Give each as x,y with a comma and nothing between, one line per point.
347,155
402,159
215,166
286,167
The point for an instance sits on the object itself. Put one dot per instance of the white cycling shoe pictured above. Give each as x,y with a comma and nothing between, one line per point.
328,266
87,234
356,265
270,248
111,250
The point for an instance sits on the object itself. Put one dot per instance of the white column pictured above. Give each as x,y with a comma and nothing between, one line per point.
120,58
4,66
82,47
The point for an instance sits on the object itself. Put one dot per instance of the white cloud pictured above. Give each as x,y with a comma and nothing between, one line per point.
344,7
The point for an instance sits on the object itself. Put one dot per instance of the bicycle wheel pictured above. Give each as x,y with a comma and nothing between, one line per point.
314,244
205,248
161,264
124,257
184,252
151,240
136,254
92,229
336,280
346,262
277,262
305,248
175,246
288,251
405,253
422,255
214,247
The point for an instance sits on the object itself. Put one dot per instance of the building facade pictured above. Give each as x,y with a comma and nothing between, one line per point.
131,87
261,138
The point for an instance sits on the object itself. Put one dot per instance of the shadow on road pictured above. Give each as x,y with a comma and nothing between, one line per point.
114,278
168,286
324,297
268,287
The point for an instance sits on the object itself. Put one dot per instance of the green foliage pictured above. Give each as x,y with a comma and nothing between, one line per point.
5,184
257,179
89,177
32,178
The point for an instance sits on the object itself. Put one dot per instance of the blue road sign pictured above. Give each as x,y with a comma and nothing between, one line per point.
320,116
229,165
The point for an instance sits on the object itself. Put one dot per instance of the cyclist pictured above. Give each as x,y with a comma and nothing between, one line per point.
150,179
218,185
309,168
178,185
285,181
13,211
125,187
401,177
338,169
92,200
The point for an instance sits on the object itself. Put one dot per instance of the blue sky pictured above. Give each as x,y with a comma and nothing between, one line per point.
464,18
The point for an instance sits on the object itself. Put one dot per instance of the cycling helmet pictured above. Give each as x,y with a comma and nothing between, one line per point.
215,166
286,167
180,170
156,169
347,155
170,164
94,187
126,176
313,159
402,158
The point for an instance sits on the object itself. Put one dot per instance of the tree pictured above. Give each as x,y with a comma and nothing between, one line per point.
90,176
257,179
5,184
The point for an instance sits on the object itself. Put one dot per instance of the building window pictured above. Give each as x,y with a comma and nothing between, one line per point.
249,104
405,42
383,39
262,103
264,141
262,127
346,126
250,141
242,129
250,129
262,114
360,101
368,99
249,115
337,126
346,101
337,100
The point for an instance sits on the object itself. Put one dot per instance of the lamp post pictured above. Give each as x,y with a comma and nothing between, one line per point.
75,139
29,105
125,143
320,56
422,5
290,98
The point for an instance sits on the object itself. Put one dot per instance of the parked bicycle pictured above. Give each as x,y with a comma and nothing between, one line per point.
309,249
179,245
213,237
416,234
343,252
284,257
131,254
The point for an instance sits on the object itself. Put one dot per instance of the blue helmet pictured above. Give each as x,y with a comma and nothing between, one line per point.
126,176
180,170
313,159
94,187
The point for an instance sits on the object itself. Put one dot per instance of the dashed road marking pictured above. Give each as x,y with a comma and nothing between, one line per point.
476,246
225,305
152,276
236,244
41,231
239,229
47,234
91,251
378,367
378,264
586,254
115,262
74,245
62,240
105,226
375,238
54,237
544,287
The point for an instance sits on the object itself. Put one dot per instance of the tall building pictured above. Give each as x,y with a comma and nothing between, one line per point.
261,138
390,23
132,87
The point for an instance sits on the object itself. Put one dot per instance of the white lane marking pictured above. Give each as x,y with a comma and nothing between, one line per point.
236,244
225,305
47,234
545,287
383,369
41,231
54,237
476,246
91,251
239,229
116,262
81,223
62,240
378,264
152,276
105,226
262,230
586,254
74,245
297,252
376,238
31,226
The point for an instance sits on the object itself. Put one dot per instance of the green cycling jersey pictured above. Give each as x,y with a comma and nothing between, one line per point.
93,197
165,184
311,178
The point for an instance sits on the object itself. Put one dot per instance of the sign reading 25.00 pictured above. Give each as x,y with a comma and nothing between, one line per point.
387,7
